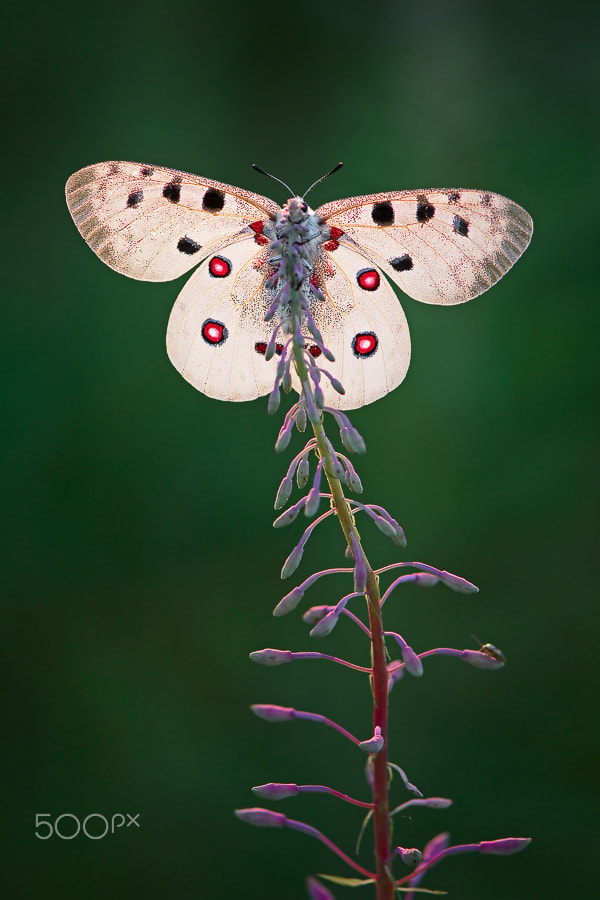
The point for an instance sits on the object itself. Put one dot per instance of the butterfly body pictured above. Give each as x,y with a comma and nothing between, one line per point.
155,224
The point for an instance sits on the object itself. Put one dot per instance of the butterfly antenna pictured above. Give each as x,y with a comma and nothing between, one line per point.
268,174
323,177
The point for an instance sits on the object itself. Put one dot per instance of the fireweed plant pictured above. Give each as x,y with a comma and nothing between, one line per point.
396,869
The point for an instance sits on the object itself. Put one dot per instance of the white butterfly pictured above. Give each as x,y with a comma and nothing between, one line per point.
438,246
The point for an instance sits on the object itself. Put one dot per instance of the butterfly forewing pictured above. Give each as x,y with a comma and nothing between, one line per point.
155,223
439,246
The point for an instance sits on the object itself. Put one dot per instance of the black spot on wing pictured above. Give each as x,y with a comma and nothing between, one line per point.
486,199
402,263
425,209
213,200
146,171
172,190
454,197
134,199
460,226
383,213
188,246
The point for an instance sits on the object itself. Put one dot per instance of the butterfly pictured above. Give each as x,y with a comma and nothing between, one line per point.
155,224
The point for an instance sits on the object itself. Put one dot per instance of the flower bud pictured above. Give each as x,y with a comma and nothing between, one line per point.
292,562
504,846
410,857
413,664
374,744
270,657
284,492
302,472
458,584
274,791
264,818
313,500
271,713
283,439
325,625
289,602
315,613
352,440
274,401
480,660
287,517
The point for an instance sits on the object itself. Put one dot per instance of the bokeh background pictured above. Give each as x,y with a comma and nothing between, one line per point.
140,565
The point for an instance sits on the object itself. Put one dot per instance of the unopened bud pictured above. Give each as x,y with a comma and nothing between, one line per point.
458,584
374,744
504,846
413,664
283,494
302,472
325,625
289,602
274,791
264,818
411,857
480,660
315,613
292,562
270,657
274,401
271,713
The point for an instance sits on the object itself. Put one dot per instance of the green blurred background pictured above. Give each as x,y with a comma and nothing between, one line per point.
140,563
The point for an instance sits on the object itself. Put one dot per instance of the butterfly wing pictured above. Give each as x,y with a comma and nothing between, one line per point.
362,323
154,223
438,246
217,335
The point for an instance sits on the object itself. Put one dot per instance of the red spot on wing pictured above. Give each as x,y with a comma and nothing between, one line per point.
335,233
364,344
314,350
219,267
368,279
259,237
214,332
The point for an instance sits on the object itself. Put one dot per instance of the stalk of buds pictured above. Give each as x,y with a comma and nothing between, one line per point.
333,474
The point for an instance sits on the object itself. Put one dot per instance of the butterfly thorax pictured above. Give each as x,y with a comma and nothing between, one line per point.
294,254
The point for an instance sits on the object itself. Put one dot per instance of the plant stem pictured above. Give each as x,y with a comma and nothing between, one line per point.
379,685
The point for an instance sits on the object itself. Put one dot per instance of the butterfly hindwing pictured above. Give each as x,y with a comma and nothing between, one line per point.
154,223
217,335
438,246
363,324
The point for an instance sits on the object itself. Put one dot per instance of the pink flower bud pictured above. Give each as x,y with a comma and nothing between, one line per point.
264,818
272,713
274,791
413,664
504,846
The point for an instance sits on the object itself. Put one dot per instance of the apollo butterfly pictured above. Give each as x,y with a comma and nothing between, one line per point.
155,224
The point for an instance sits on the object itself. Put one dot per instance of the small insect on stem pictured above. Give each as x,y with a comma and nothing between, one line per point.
490,650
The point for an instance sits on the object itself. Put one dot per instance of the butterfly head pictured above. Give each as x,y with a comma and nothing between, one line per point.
297,210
